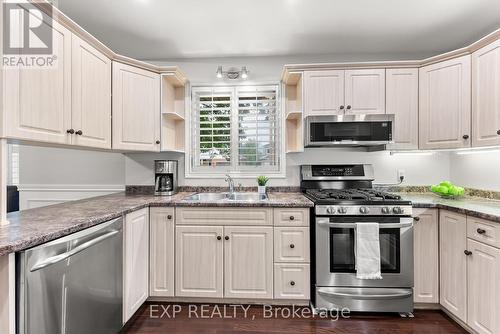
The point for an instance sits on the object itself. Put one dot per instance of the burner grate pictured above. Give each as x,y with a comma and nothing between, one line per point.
352,194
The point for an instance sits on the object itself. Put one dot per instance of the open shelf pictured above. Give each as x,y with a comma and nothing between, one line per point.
173,102
294,132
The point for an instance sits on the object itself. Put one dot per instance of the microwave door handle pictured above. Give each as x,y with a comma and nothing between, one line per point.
353,225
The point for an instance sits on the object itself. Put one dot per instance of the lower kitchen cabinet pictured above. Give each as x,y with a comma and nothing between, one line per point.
136,262
161,254
199,261
248,262
453,263
291,281
426,256
483,268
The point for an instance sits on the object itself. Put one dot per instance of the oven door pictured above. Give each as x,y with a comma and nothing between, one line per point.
335,259
349,130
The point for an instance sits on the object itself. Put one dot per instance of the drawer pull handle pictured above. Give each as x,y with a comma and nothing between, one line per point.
219,237
292,217
292,283
467,252
292,246
480,231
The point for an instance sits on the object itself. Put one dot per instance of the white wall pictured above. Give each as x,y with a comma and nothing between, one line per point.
478,170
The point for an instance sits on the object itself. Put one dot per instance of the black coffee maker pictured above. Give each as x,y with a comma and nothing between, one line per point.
165,177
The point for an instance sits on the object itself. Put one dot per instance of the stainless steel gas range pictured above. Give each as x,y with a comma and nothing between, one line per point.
343,196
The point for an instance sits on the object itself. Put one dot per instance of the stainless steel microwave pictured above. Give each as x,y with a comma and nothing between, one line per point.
349,130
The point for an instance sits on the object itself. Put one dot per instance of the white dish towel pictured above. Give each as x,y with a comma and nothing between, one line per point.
367,251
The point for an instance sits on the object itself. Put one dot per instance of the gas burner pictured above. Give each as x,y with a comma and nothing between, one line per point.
361,194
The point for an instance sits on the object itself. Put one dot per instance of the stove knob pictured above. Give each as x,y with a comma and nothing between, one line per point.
364,210
330,210
385,210
342,210
397,210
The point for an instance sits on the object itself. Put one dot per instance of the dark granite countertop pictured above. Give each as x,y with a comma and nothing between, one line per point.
472,206
33,227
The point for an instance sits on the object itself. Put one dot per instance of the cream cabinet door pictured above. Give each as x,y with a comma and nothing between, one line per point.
365,91
38,101
136,262
136,108
483,269
426,256
161,253
445,104
324,92
402,101
199,261
91,96
248,262
453,263
486,96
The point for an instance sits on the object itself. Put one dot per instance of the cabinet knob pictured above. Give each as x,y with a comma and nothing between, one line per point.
416,219
292,217
292,246
348,107
467,252
481,231
292,283
498,132
157,142
70,131
79,132
226,237
219,237
465,136
169,217
341,107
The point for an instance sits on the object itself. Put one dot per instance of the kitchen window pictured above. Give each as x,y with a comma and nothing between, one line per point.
235,130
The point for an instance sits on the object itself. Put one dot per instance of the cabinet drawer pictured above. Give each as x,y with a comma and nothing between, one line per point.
291,244
291,281
224,216
291,217
483,231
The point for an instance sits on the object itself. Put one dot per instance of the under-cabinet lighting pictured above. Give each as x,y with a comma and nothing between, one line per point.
478,151
415,153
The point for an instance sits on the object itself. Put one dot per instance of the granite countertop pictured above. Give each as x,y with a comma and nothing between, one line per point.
33,227
472,206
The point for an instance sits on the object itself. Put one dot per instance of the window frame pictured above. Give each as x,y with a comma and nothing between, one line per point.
192,141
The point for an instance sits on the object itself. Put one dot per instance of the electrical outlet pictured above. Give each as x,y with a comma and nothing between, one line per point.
401,174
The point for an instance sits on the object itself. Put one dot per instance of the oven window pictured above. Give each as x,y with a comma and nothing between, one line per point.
343,260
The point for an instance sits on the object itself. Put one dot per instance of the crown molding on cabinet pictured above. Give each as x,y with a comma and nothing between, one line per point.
68,23
289,72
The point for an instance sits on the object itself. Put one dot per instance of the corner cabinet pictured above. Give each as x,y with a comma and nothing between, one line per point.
426,259
136,262
136,109
445,104
453,263
91,96
402,101
486,96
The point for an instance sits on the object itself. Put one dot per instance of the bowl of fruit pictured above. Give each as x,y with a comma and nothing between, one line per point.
447,189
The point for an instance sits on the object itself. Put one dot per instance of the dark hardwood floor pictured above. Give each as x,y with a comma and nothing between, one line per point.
154,318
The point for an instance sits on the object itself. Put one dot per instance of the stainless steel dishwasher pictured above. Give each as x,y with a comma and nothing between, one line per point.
72,285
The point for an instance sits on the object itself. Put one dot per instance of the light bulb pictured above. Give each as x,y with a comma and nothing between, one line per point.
244,72
219,72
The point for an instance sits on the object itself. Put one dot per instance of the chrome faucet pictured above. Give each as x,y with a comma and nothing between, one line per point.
230,182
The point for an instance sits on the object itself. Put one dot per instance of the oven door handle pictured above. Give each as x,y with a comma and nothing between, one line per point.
397,295
325,221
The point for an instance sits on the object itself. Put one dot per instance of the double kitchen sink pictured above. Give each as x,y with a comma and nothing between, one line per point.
228,196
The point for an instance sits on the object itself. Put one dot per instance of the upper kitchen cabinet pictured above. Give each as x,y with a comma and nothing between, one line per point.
445,104
324,92
37,103
136,108
402,101
91,96
486,96
365,91
173,101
